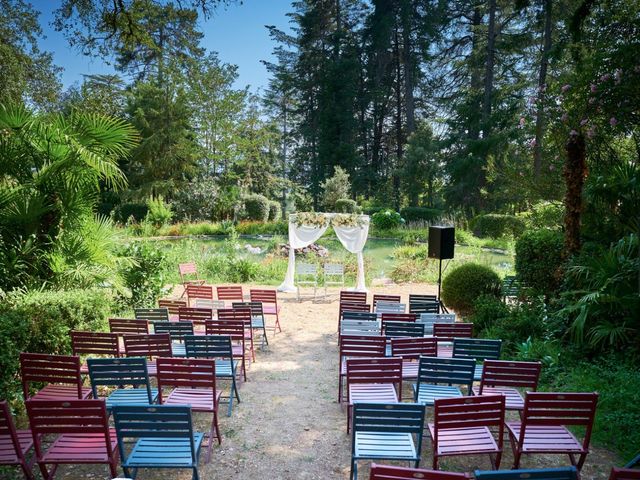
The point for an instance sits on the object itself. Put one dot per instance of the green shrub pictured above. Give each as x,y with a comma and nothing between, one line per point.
145,278
40,322
488,310
159,212
465,237
496,225
346,205
463,285
415,214
256,207
387,219
275,212
263,228
372,210
544,215
196,200
538,257
123,212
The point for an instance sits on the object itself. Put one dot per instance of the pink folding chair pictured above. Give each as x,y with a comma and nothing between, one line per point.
14,444
270,307
230,292
385,472
198,292
61,373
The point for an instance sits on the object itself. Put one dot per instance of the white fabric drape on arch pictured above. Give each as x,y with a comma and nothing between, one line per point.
353,239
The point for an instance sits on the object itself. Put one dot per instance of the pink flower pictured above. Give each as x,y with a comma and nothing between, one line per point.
565,87
613,121
532,100
573,133
522,122
532,143
594,88
605,77
583,122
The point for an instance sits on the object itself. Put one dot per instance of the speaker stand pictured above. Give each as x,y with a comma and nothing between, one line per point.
441,307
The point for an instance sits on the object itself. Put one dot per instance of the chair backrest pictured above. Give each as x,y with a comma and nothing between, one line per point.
469,412
213,305
236,314
51,369
204,292
353,297
208,346
398,317
385,298
9,445
430,319
176,330
128,326
359,315
506,373
414,347
150,346
375,370
390,307
152,314
255,307
424,307
360,327
624,474
477,348
564,473
352,307
389,418
448,331
119,372
559,409
197,373
362,346
232,328
94,343
172,304
187,269
386,472
333,269
195,315
449,371
422,298
402,329
230,292
157,421
264,296
306,269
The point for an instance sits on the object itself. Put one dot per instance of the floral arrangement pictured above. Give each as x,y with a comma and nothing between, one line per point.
318,220
311,219
348,220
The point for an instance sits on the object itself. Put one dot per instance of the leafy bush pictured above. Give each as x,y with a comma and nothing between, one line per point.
387,219
412,214
465,237
275,212
488,310
335,188
412,252
256,207
196,201
124,211
543,215
263,228
463,285
346,205
496,225
40,322
145,278
538,258
372,210
159,212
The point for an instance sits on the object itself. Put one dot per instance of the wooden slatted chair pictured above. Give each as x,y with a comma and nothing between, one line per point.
543,428
164,438
172,305
389,307
386,472
385,298
234,329
410,350
258,321
424,304
198,316
624,474
353,297
94,343
430,319
373,380
442,377
564,473
189,274
61,373
352,307
152,314
360,327
150,346
82,434
232,293
446,332
480,349
461,426
192,382
119,373
333,275
177,331
398,317
196,293
15,445
241,314
386,431
392,329
269,300
357,315
506,377
218,348
127,326
357,346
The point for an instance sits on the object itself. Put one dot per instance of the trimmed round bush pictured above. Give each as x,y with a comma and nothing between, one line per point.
275,212
495,225
463,285
539,254
123,212
256,207
416,214
346,205
387,219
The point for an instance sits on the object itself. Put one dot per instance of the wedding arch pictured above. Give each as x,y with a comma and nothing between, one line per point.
307,227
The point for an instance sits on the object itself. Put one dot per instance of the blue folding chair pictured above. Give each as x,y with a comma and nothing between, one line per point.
566,473
119,373
438,377
164,438
480,349
177,331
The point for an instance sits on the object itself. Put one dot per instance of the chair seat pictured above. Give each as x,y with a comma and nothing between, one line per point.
61,392
445,350
410,370
372,393
7,452
226,368
513,399
464,441
270,309
80,448
163,452
152,369
257,322
199,399
546,439
387,445
430,393
178,350
131,396
237,351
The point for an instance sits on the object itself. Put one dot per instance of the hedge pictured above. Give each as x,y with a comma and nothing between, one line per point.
123,212
495,225
463,285
415,214
275,212
539,254
346,205
256,207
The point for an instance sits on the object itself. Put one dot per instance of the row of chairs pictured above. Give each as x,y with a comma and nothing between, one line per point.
417,303
354,322
307,274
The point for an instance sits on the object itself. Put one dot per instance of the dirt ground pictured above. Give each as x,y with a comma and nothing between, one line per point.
289,424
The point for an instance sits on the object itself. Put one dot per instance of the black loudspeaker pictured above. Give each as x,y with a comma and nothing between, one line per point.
441,242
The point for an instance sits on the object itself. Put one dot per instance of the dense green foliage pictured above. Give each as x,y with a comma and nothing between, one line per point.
346,205
417,214
256,207
275,211
539,255
464,284
145,278
386,219
498,225
126,212
159,212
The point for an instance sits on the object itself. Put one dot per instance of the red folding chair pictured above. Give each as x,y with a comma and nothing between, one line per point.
192,382
385,472
198,316
373,380
241,314
128,326
543,428
230,292
397,317
82,434
353,297
61,373
150,346
189,275
14,444
102,344
410,349
505,377
173,305
235,329
624,474
357,346
385,298
198,292
269,300
462,426
446,332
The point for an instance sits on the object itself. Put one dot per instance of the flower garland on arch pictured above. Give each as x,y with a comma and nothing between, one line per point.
319,220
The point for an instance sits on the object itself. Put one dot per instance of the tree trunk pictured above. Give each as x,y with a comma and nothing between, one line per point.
575,172
407,63
399,135
488,72
542,80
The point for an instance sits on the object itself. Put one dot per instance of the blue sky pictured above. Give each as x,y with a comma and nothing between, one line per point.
237,33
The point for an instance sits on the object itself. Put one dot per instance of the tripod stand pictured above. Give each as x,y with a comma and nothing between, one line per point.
441,307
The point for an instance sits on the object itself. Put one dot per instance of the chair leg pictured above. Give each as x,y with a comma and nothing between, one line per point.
28,474
349,408
47,474
277,322
195,475
354,469
113,468
435,459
